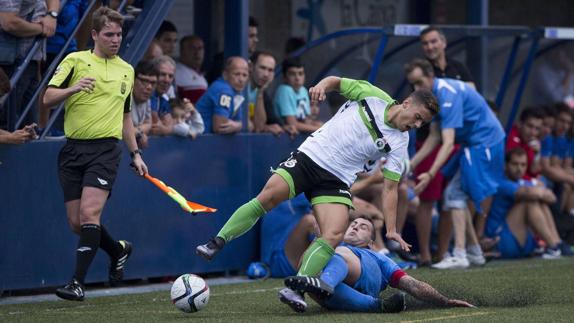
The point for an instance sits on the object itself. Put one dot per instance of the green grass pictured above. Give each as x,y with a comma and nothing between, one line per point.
532,290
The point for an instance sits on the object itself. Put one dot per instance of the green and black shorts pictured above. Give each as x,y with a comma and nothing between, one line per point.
303,175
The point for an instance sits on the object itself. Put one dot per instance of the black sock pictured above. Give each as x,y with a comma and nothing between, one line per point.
87,247
109,245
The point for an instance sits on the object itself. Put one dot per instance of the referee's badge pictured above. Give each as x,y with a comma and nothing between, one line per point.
123,88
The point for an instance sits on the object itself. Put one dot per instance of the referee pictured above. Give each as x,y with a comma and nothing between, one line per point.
96,86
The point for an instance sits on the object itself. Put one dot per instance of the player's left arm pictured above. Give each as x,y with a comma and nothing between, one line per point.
129,137
425,292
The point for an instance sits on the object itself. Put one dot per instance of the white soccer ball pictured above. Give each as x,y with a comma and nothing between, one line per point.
189,293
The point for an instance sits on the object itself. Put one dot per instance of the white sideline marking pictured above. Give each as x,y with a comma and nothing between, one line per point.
116,291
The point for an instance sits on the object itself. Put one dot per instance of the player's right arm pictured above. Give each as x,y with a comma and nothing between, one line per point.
59,88
425,292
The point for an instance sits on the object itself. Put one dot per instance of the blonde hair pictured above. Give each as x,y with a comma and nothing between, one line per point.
104,15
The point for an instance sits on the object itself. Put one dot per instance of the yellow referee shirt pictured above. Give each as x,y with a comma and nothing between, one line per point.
98,114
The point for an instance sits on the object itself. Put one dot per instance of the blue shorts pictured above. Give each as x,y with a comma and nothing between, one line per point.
509,246
280,266
479,169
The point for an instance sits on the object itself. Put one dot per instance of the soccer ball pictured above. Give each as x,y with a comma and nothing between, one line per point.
189,293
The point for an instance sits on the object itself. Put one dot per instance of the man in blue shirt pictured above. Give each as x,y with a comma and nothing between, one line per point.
356,275
518,207
220,107
465,118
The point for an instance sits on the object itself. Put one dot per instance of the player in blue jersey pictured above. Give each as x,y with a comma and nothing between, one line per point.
220,106
356,275
519,207
465,118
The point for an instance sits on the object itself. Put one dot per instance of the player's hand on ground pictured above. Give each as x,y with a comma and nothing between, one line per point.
317,94
459,303
139,166
424,180
397,237
86,84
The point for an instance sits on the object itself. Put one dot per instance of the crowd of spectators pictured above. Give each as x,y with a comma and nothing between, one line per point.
176,96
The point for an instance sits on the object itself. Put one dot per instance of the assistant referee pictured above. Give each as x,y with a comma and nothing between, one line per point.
96,86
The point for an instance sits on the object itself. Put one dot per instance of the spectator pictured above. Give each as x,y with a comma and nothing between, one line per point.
292,99
19,136
218,59
144,85
261,111
433,42
526,135
221,105
189,79
153,51
187,121
20,23
166,37
554,146
68,19
553,78
519,207
466,118
162,123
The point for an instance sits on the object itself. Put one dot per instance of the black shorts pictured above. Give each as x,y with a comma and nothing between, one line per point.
302,174
91,163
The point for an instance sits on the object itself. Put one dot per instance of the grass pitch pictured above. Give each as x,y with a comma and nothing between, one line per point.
532,290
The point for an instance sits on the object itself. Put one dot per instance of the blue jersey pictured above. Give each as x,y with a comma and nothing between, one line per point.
289,102
159,104
377,271
502,203
547,146
68,19
465,110
570,152
222,100
560,147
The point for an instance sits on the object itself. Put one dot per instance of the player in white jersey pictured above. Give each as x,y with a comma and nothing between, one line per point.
369,126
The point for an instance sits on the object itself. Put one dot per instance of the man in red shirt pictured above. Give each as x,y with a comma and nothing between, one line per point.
526,135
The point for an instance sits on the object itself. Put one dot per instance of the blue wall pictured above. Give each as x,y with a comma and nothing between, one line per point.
37,249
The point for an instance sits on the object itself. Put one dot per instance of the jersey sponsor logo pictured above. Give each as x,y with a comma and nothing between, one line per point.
290,163
443,84
102,181
123,88
82,249
225,101
447,105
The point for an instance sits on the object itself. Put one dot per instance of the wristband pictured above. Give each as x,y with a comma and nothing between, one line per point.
133,153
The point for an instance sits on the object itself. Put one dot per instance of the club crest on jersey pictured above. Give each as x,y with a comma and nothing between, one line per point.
123,88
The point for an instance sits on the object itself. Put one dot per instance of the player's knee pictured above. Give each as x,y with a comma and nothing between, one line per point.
333,237
344,252
74,225
90,215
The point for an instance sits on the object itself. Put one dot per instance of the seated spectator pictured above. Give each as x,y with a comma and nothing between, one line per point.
217,61
355,276
519,208
221,105
187,121
144,85
292,99
261,111
189,78
526,135
153,51
166,37
162,123
20,136
554,147
285,238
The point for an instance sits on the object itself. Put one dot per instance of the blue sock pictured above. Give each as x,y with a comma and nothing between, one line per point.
335,271
346,298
